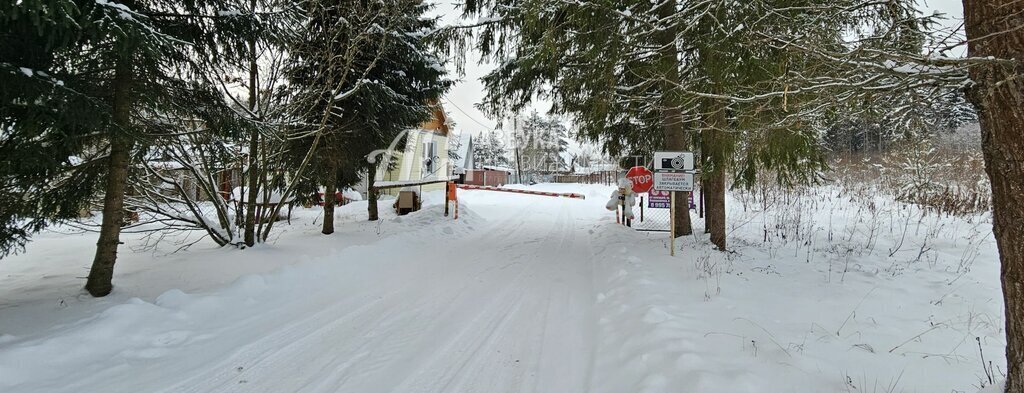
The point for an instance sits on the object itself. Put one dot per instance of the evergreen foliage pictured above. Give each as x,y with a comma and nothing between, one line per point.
98,83
490,150
541,142
46,118
388,82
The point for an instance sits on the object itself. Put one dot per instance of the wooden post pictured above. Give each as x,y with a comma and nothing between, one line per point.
672,224
447,189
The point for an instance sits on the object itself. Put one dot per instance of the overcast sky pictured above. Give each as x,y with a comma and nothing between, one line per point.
468,91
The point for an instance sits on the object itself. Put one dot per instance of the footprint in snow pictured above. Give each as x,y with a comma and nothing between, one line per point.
656,315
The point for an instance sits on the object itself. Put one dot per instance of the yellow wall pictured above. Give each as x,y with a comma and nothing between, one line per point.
413,168
436,130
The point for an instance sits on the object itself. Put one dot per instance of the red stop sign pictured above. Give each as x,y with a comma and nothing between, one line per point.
642,179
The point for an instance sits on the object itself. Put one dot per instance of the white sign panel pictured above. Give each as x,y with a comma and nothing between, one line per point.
673,161
673,181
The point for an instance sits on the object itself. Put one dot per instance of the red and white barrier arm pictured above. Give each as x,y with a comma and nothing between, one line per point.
542,193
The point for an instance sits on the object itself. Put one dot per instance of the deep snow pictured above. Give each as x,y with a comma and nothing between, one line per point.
522,293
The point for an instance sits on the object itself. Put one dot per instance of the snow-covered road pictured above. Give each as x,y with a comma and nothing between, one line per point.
521,294
505,307
482,304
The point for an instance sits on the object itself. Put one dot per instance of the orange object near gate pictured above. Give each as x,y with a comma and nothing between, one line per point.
451,192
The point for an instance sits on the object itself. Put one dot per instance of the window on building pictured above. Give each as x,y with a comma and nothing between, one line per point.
430,158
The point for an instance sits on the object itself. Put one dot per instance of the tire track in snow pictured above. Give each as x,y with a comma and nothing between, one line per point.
484,364
440,368
267,354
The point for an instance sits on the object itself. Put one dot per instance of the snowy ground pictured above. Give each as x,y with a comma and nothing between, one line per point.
522,293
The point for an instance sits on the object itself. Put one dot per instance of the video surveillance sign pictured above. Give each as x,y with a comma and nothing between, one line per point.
673,161
673,171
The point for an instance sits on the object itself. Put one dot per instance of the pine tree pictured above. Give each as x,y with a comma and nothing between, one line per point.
48,119
138,64
490,150
541,142
751,78
399,79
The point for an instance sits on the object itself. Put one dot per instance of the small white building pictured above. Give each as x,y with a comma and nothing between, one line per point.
424,158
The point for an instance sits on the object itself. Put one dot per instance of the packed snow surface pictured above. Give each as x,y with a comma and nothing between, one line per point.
522,293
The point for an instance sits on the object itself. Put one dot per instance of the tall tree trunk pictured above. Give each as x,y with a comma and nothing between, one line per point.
713,179
676,138
371,193
715,214
101,274
254,145
994,30
706,199
715,147
330,193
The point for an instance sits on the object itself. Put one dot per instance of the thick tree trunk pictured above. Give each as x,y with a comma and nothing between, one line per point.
330,193
101,274
715,214
371,193
716,147
713,179
994,29
676,138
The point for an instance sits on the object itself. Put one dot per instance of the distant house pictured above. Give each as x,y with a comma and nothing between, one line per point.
227,179
488,175
425,156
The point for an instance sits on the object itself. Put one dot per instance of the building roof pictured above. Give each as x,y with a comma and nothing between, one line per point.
438,122
497,168
465,151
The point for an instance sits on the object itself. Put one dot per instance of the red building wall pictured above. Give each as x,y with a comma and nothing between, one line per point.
486,177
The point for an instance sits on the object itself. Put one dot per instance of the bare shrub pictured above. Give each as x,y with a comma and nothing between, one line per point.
939,175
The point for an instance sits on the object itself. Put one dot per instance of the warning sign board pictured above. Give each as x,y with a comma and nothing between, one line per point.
673,181
658,199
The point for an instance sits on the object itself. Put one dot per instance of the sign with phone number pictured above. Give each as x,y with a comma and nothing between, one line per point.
658,199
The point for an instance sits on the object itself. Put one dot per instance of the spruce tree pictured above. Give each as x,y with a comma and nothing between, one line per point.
490,150
753,76
392,77
541,141
137,64
48,118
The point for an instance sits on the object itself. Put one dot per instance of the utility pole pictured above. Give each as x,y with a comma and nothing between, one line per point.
515,136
